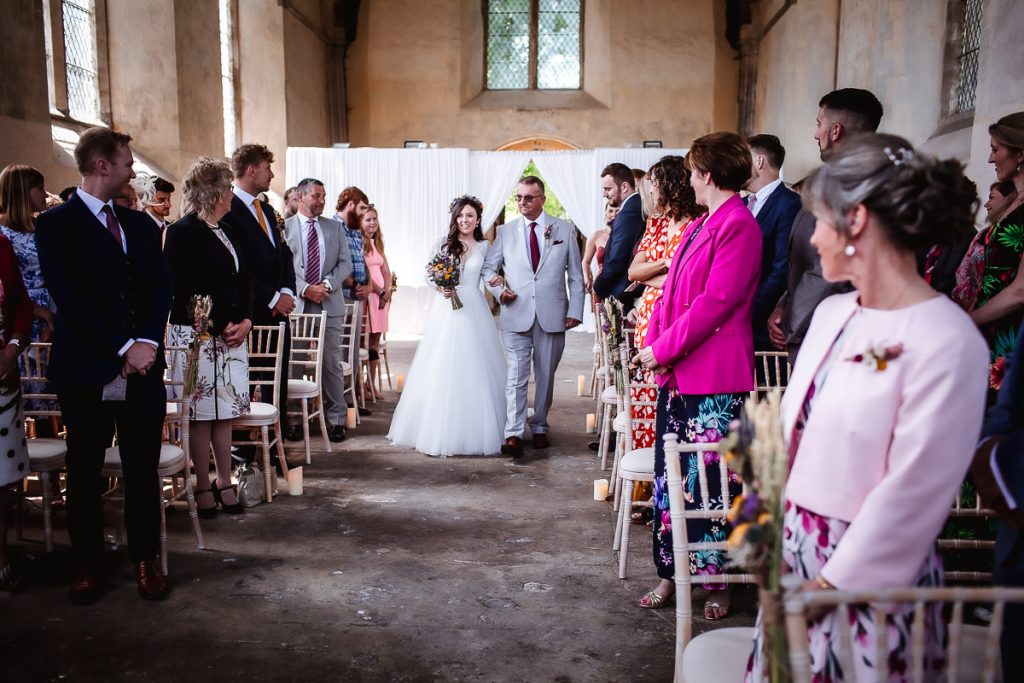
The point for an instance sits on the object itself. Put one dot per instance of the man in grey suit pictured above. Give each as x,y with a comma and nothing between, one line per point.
538,253
322,263
841,114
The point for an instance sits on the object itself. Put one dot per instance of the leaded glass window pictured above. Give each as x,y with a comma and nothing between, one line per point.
969,45
534,44
80,60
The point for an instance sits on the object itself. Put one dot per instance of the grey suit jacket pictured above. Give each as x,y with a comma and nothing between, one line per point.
337,262
541,296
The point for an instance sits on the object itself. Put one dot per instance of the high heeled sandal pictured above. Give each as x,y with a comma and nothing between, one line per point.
654,600
205,513
234,508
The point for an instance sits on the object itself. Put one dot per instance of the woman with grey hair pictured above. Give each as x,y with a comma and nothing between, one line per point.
885,405
206,265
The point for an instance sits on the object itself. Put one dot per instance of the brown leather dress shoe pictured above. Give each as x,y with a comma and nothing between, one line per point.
541,441
87,586
513,446
152,585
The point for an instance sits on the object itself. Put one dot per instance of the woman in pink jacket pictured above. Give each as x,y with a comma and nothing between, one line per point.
885,405
700,346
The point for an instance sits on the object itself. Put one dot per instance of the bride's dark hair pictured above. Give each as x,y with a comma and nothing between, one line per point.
452,244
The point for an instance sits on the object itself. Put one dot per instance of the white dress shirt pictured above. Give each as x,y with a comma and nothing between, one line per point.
248,200
762,195
305,250
542,221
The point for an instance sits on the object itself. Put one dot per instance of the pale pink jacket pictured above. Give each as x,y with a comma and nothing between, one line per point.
700,327
886,450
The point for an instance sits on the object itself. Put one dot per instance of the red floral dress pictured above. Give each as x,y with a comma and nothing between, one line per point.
657,245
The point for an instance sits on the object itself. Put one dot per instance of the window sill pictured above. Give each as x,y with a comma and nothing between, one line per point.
534,100
951,124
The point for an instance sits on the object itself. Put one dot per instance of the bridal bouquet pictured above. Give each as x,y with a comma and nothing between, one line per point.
755,450
445,271
201,326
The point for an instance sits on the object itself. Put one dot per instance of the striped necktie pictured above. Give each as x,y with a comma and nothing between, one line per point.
312,254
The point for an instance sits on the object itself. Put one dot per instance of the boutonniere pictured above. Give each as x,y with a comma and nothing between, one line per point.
878,357
547,234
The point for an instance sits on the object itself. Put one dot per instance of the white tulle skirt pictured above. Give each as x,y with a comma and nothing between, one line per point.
454,397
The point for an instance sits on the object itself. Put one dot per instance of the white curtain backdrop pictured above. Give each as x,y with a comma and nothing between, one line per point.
411,189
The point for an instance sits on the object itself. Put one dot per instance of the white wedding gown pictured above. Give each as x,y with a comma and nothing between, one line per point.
454,397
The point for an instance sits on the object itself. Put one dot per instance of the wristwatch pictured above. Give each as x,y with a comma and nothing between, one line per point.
16,342
327,286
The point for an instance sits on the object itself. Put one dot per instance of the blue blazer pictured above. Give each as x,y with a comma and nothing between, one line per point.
627,230
104,296
776,221
1006,420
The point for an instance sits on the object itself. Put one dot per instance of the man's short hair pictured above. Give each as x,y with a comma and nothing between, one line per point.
289,191
859,109
351,194
620,173
249,155
161,185
770,147
67,193
98,143
532,180
303,187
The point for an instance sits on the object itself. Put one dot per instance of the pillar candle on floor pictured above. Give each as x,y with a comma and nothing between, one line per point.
351,419
581,385
591,423
400,383
295,481
600,489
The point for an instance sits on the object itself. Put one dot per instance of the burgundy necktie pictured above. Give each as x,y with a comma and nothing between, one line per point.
112,225
534,247
312,254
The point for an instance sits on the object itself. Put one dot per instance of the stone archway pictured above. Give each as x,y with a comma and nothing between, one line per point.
537,143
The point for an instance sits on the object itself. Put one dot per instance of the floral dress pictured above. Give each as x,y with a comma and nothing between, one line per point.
1003,247
657,245
24,244
695,419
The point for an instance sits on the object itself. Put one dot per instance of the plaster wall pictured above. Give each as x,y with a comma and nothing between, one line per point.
305,85
199,104
415,72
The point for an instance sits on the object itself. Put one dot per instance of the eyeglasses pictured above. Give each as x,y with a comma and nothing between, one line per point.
520,198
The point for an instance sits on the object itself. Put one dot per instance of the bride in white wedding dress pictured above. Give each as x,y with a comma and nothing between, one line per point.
454,397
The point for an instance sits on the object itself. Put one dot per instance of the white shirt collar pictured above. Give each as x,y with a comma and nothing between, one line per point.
765,192
95,204
156,219
304,219
244,196
542,220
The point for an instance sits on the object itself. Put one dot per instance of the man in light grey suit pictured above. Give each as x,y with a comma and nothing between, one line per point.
539,253
322,262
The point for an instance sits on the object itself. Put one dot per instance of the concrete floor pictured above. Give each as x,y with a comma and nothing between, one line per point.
392,567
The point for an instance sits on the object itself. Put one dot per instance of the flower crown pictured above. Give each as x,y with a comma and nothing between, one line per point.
468,198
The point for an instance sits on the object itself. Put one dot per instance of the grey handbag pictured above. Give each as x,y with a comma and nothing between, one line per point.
251,489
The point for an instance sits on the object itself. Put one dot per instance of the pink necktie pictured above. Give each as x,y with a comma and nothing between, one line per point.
312,254
112,225
534,247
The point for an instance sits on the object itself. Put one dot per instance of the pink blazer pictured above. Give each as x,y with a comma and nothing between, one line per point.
886,450
700,328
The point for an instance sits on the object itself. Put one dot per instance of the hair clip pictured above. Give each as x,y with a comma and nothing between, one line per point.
467,198
899,156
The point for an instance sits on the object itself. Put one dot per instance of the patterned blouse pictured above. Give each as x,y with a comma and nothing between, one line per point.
28,261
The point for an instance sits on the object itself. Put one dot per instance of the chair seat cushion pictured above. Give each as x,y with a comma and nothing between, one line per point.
302,388
609,395
172,460
346,368
259,414
364,354
637,464
621,423
46,454
719,655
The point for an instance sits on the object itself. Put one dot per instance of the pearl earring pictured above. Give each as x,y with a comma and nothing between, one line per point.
850,250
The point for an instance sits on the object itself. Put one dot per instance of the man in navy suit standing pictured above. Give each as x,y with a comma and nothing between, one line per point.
618,186
103,266
253,227
774,206
998,473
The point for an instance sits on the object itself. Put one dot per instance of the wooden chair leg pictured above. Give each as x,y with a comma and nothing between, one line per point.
268,483
305,427
323,423
387,369
44,481
193,510
19,510
163,526
624,522
280,450
617,537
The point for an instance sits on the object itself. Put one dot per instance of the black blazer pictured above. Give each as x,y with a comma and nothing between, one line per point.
200,264
269,265
776,220
627,230
104,297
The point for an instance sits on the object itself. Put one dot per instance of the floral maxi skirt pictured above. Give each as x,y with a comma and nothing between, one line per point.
222,389
808,541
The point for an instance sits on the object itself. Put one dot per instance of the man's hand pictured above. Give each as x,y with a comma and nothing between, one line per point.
571,323
775,333
363,292
235,333
138,359
496,281
284,306
9,366
507,297
315,293
49,319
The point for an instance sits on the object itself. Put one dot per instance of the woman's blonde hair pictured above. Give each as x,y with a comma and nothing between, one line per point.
15,183
205,183
378,237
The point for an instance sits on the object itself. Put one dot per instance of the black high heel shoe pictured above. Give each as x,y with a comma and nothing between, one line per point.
206,513
234,509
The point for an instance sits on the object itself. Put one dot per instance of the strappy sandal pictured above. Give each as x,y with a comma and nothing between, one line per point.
654,600
714,603
10,579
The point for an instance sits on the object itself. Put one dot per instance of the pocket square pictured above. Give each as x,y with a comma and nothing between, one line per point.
557,242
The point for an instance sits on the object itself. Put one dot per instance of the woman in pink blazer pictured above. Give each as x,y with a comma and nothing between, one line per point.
885,405
700,346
